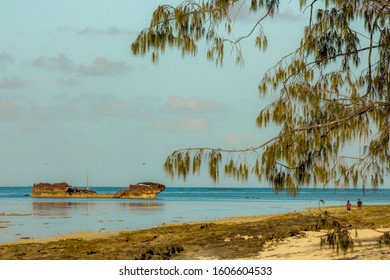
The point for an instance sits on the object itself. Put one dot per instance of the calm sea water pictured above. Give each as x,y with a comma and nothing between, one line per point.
24,217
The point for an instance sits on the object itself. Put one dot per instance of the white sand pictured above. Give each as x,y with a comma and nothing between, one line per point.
307,247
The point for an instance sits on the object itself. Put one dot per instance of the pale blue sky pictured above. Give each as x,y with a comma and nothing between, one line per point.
74,99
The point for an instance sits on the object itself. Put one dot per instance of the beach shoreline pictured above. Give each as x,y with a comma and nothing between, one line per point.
294,235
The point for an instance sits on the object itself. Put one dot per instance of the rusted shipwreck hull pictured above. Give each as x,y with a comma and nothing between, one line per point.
63,190
142,189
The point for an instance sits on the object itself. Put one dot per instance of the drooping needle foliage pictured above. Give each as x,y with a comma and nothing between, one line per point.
332,90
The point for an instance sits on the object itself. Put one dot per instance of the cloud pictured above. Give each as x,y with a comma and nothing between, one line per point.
235,140
94,107
5,58
109,31
104,67
68,82
290,15
114,109
189,125
65,110
192,104
100,66
60,63
9,111
13,83
241,12
192,112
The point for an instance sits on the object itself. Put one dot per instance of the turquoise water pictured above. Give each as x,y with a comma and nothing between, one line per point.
52,217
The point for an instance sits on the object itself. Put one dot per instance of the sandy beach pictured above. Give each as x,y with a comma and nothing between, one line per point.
286,236
306,247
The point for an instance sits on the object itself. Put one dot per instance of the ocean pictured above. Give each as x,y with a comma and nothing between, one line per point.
23,217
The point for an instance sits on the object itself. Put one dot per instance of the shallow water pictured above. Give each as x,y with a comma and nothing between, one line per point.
52,217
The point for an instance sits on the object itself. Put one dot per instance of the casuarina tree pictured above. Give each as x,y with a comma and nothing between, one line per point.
332,90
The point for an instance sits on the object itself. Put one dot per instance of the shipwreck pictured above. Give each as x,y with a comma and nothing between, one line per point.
142,190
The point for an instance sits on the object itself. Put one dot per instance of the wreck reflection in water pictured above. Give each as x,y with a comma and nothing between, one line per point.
141,206
90,207
60,207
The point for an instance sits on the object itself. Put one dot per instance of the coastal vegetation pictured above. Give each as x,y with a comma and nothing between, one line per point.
332,91
231,238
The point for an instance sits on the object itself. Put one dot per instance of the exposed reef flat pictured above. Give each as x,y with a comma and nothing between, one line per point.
294,235
142,190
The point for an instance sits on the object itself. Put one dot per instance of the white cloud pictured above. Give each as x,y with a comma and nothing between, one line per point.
5,58
115,109
68,82
104,67
192,112
9,111
13,83
92,107
67,109
189,125
290,15
109,31
192,104
241,12
233,139
100,66
239,140
60,63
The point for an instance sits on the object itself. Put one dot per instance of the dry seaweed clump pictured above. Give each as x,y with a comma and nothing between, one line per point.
338,236
384,239
160,253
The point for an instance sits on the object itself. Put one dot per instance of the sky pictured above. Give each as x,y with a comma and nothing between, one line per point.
75,101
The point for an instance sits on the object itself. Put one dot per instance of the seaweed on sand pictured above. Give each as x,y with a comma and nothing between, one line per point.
384,239
338,236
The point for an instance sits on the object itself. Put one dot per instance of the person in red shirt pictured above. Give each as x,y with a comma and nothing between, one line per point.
349,206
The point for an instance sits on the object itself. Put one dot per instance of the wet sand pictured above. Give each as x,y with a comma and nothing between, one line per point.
283,236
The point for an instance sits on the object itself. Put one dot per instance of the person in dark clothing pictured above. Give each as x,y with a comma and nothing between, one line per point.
359,205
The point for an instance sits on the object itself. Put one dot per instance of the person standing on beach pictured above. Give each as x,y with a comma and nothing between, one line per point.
349,206
359,205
